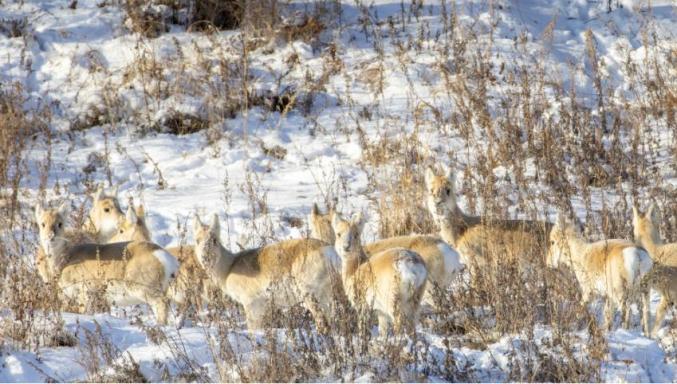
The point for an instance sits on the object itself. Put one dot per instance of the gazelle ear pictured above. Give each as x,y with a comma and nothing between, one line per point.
335,219
99,193
131,215
215,226
114,191
429,176
197,224
316,210
636,215
560,222
451,176
652,213
577,226
358,221
63,209
141,211
39,211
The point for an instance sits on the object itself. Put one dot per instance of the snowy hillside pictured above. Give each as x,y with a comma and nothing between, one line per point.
537,106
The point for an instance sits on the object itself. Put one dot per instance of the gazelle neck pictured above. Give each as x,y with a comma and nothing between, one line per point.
453,224
650,241
223,263
56,257
577,250
351,262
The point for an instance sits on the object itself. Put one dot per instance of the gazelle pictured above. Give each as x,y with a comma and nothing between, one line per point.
662,278
284,274
105,214
663,275
442,261
390,283
191,284
610,268
131,272
645,228
474,237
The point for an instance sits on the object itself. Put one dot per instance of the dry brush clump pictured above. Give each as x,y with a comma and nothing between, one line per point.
30,309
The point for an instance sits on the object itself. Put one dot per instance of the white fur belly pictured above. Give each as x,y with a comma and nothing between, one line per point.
283,294
74,291
115,294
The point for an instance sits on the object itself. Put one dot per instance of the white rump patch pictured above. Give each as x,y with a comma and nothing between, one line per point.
411,268
452,260
637,263
169,262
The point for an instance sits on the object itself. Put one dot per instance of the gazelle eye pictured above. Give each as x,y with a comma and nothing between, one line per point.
448,191
43,225
59,225
106,210
122,231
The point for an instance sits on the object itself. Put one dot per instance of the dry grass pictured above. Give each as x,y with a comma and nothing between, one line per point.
497,112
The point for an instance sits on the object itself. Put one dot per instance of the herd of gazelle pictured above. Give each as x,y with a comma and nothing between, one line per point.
390,277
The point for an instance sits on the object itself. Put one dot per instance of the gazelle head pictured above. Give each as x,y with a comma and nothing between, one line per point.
207,241
561,236
132,227
348,234
320,225
440,191
105,213
645,226
51,226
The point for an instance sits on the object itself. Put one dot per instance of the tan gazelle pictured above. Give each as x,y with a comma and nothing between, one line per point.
663,275
131,272
645,227
390,283
611,268
475,237
191,287
442,260
105,214
282,274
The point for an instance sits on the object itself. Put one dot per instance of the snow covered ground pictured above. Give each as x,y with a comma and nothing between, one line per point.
79,62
